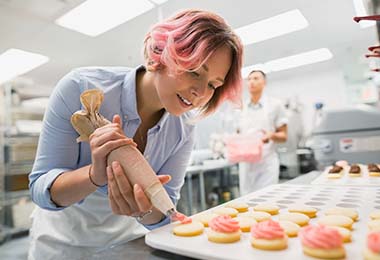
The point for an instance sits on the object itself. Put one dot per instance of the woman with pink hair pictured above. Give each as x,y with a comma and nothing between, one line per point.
192,63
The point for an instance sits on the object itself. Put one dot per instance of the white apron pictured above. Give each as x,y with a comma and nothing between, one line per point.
254,176
80,231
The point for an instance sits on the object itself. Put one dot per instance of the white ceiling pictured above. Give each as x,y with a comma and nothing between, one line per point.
29,25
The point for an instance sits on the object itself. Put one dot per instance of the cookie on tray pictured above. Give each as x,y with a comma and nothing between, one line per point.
226,211
238,205
344,232
375,215
266,207
372,249
308,211
224,229
194,228
322,242
355,171
335,172
336,220
257,215
374,225
351,213
245,223
268,235
290,228
373,170
298,218
205,218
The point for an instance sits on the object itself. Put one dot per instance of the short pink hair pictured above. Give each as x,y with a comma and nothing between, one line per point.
185,41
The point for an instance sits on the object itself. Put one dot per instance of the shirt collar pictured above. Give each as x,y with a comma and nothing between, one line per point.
129,99
259,104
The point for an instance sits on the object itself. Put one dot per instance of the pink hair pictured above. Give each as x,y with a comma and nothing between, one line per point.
185,41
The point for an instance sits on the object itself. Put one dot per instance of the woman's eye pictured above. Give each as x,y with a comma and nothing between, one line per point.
211,86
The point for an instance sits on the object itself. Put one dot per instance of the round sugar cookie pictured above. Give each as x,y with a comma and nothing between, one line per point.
335,253
245,223
374,225
238,205
226,211
205,218
273,244
194,228
290,228
298,218
219,237
269,208
257,215
375,215
336,220
308,211
351,213
344,232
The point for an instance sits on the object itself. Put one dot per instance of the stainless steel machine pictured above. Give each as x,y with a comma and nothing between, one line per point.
351,134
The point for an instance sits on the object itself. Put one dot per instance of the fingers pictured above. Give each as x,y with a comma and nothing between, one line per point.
141,199
124,186
116,119
164,178
111,183
117,202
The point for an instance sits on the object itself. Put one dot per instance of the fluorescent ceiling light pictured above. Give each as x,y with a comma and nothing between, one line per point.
95,17
361,11
290,62
14,62
272,27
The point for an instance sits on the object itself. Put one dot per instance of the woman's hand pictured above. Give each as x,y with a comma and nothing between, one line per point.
125,199
102,141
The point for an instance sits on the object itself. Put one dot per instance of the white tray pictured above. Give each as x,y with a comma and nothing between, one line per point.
347,180
363,199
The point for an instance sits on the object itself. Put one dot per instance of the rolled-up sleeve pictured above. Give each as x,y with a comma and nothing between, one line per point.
175,166
57,150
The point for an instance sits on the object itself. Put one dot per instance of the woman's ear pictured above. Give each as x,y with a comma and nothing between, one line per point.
150,66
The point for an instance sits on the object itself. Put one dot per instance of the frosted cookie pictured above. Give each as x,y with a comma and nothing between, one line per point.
374,225
322,242
372,250
375,215
355,171
268,235
245,223
205,218
351,213
194,228
344,232
373,170
336,220
308,211
239,206
224,229
257,215
226,211
335,172
298,218
290,228
269,208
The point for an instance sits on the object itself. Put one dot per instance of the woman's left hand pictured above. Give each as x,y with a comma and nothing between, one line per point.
125,199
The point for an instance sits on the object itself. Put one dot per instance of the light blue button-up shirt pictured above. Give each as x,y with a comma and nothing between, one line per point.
168,146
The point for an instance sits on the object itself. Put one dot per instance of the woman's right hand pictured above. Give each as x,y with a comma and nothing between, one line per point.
102,141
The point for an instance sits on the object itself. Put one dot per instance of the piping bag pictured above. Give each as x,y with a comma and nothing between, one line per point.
135,167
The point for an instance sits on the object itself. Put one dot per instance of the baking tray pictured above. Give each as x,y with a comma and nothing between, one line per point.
346,179
363,199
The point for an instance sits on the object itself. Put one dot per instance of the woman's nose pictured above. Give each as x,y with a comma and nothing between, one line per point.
199,90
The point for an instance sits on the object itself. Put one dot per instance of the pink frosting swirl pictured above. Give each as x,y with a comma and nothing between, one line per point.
177,216
267,230
373,242
224,224
321,237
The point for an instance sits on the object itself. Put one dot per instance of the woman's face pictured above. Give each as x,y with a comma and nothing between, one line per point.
181,93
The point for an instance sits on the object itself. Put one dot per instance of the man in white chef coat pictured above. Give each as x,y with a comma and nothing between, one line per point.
266,115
